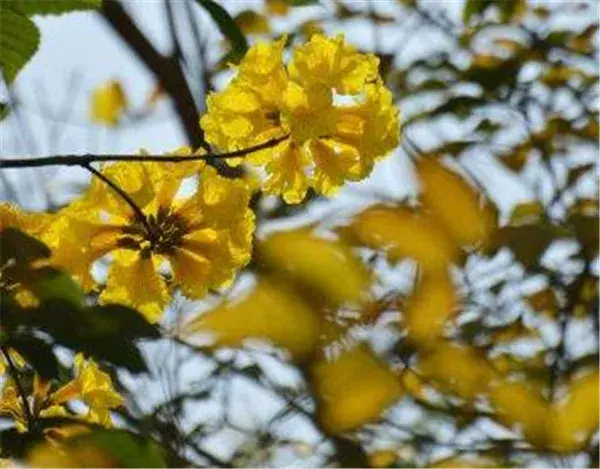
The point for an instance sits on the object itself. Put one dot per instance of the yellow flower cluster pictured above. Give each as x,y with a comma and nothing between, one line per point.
197,240
329,100
90,385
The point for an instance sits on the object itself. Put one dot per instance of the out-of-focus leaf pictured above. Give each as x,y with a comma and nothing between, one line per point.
270,312
352,389
19,40
108,103
37,353
466,462
23,249
4,110
104,332
456,369
54,7
461,209
228,28
583,218
509,9
575,417
251,22
401,232
576,173
51,283
100,448
326,268
517,404
432,303
528,235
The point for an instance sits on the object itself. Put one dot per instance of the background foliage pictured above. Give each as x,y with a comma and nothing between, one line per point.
451,323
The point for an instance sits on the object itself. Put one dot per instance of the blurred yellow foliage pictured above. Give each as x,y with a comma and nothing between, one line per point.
432,303
108,103
326,268
457,369
271,312
352,389
575,417
455,203
403,233
82,455
251,22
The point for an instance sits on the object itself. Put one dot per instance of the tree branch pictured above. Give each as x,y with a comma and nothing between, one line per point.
87,159
166,69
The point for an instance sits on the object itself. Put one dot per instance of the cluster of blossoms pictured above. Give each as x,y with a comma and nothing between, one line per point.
91,386
192,242
329,100
332,117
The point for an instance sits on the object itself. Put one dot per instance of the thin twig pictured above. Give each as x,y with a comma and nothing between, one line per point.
124,195
86,159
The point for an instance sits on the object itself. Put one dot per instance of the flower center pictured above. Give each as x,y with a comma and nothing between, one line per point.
160,234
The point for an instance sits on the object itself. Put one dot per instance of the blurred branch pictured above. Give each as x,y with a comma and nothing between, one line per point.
166,69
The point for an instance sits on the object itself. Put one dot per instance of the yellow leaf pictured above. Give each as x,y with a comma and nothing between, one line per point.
270,312
403,233
383,458
518,405
575,418
465,461
352,389
326,268
277,7
108,103
455,203
251,22
456,369
431,305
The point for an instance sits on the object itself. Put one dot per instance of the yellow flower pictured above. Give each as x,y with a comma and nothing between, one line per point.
201,239
94,387
333,63
328,143
108,103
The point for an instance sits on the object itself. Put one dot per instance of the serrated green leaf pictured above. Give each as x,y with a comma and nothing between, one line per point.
228,27
19,40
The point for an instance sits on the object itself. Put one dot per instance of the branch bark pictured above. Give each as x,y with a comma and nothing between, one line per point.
166,69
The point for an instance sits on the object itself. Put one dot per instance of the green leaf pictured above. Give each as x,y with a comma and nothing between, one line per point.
19,40
105,333
128,449
55,284
37,353
56,7
20,247
228,28
302,3
4,110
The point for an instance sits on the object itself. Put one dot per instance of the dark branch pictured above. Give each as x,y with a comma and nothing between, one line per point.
87,159
166,69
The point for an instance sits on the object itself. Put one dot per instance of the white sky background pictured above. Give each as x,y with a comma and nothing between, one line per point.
79,52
